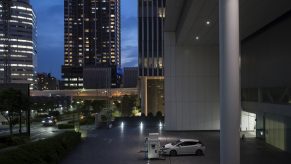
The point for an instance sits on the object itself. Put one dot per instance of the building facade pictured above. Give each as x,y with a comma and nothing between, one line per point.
151,16
17,42
208,58
130,77
46,82
92,39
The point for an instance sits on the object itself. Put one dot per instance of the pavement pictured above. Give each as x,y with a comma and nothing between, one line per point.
124,146
37,131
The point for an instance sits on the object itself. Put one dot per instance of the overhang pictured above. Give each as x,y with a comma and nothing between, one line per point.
196,22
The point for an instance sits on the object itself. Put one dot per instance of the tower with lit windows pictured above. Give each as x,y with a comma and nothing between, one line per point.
151,16
92,44
17,42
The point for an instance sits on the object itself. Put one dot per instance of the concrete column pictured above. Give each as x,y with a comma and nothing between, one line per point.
260,95
229,82
144,98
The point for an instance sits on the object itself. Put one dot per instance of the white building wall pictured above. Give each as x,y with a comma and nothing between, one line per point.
248,121
191,86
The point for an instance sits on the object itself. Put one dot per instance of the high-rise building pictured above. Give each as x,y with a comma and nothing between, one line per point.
92,41
130,77
46,82
17,42
151,16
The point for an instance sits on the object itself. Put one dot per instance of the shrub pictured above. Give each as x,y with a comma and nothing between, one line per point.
17,139
150,114
19,156
159,114
66,126
143,115
87,121
2,146
48,151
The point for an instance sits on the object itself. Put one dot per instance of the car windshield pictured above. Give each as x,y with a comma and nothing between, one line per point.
176,142
47,119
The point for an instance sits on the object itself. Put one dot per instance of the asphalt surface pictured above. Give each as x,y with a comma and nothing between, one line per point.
124,146
37,131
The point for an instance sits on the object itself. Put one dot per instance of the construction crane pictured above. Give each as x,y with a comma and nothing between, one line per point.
6,16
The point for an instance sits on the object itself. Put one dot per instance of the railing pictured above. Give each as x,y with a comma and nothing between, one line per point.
114,92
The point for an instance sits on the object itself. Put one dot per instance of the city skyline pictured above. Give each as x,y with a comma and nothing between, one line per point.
50,23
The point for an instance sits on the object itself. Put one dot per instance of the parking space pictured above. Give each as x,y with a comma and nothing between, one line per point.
126,145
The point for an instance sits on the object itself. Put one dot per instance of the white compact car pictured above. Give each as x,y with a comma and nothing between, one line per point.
184,147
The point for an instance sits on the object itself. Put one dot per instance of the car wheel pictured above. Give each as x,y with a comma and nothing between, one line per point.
199,152
173,153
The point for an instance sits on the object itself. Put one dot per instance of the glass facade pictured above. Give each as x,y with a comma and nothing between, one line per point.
92,38
151,15
155,90
17,42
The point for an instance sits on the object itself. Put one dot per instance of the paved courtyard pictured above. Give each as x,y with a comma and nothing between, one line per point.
124,146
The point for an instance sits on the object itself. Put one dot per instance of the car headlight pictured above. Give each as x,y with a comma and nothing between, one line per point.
50,121
43,121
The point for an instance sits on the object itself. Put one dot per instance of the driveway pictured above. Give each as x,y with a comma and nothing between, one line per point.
124,146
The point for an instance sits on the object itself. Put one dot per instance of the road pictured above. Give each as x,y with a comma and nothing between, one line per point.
37,131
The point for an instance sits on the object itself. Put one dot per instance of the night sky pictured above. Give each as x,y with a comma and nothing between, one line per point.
50,30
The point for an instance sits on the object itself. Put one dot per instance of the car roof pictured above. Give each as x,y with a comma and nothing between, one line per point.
186,140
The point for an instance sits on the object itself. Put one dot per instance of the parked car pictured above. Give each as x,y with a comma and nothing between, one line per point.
49,121
184,147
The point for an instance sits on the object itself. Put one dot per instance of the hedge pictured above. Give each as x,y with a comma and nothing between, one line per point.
87,121
66,126
17,139
48,151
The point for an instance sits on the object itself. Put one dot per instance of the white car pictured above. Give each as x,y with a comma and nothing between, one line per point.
184,147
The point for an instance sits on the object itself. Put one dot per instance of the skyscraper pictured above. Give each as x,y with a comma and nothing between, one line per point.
17,42
92,42
151,52
46,82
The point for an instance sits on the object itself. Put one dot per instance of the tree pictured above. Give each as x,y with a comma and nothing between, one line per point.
150,114
128,103
98,105
135,112
49,105
159,114
117,104
25,104
12,102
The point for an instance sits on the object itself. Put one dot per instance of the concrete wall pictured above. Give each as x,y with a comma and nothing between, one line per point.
271,118
130,77
191,86
288,133
266,56
97,78
248,121
275,131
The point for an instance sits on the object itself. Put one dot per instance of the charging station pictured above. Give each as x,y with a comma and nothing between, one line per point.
153,146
